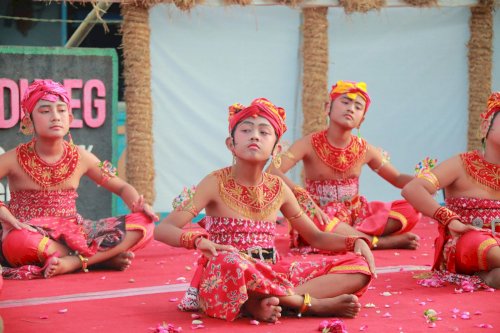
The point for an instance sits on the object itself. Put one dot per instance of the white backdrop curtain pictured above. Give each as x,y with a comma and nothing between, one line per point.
413,60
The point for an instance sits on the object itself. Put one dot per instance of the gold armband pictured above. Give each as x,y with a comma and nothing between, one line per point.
385,159
184,202
108,171
304,200
423,170
430,177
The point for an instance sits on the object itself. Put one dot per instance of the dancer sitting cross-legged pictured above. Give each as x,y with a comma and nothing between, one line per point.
42,235
240,271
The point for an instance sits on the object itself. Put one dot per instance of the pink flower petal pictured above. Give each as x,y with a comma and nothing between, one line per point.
62,311
195,327
484,326
363,327
254,322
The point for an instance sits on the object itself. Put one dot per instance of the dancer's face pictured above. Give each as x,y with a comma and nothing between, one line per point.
347,112
51,119
254,139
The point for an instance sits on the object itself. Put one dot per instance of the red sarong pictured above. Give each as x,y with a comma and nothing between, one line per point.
221,285
341,201
467,254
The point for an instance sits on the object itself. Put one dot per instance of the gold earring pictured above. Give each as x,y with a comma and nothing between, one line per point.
277,161
26,126
70,138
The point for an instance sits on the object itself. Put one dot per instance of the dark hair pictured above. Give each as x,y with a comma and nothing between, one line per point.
491,123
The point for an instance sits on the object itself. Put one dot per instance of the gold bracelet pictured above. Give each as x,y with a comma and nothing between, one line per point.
188,238
444,216
374,241
85,262
305,305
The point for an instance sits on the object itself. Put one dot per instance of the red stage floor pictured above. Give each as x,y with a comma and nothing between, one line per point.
144,296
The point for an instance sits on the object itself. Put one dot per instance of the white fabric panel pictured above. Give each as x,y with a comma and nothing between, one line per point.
415,64
203,62
414,61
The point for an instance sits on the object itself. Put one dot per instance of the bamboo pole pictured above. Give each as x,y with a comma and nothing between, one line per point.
137,74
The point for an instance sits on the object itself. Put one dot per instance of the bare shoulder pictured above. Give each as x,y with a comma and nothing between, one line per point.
371,149
450,170
302,146
8,157
208,181
451,163
207,190
87,158
373,153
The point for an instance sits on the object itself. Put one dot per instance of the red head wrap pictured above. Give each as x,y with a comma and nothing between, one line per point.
487,116
47,90
352,89
259,107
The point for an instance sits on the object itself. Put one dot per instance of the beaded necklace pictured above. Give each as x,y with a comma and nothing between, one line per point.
44,174
254,202
480,170
339,159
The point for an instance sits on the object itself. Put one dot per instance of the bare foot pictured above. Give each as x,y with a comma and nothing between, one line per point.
265,309
491,278
57,266
407,240
119,262
346,306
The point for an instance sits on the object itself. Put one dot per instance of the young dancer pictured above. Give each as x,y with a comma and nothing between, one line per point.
333,159
42,233
240,271
469,223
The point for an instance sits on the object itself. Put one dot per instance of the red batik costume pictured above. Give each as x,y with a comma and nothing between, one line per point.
467,254
52,212
221,285
339,198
